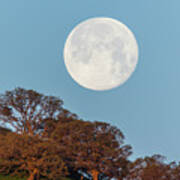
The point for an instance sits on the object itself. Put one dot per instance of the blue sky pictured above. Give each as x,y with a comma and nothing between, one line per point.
145,108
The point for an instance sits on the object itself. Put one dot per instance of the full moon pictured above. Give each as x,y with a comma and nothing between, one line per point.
101,53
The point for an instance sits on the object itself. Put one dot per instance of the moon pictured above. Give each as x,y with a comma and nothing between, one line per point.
101,53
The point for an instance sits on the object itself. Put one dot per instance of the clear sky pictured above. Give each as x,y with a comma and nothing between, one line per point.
146,108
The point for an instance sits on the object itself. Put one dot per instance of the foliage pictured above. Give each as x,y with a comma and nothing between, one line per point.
26,111
31,155
153,168
18,178
10,178
48,141
93,147
4,131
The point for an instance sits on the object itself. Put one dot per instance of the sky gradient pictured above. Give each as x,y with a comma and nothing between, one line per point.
145,108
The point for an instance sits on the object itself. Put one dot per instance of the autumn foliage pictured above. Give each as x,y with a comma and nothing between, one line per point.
44,140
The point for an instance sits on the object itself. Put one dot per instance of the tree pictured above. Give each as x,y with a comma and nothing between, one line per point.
30,155
4,131
94,148
27,111
47,138
150,168
175,170
32,117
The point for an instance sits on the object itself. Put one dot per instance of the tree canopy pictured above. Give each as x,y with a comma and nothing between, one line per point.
26,111
30,155
93,147
46,140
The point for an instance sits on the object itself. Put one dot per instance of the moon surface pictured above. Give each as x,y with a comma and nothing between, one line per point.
101,53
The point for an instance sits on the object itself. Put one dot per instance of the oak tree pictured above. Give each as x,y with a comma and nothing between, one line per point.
27,111
150,168
93,147
30,155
